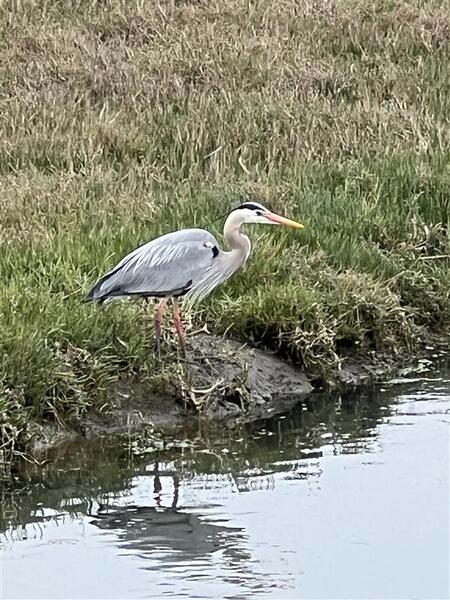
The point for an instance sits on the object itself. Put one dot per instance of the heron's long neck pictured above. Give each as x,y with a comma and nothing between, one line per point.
238,243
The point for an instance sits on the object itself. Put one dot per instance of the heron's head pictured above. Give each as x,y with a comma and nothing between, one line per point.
253,212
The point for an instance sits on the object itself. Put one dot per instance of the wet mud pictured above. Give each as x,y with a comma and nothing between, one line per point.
219,381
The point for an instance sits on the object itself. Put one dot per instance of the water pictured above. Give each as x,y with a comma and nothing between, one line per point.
341,498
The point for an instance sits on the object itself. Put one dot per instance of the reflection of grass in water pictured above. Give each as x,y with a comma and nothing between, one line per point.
103,471
333,114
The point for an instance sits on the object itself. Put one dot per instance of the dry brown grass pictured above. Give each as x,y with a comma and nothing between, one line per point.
188,89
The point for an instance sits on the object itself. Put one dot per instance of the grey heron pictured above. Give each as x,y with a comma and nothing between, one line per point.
188,263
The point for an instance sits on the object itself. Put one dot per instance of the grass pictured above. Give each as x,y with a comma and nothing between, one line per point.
123,120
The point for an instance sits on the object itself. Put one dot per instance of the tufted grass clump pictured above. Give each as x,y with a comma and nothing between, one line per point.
121,121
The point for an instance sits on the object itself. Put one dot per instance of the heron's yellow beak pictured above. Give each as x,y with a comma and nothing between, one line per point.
282,220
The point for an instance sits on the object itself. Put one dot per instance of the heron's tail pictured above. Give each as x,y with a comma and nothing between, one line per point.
92,295
106,288
98,293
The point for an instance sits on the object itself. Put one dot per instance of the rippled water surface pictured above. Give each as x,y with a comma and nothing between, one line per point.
344,497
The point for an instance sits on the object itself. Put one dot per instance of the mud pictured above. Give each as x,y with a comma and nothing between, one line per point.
219,381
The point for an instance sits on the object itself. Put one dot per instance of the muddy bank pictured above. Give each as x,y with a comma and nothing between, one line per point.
223,382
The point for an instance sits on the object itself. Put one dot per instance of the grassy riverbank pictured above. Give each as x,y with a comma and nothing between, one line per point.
124,120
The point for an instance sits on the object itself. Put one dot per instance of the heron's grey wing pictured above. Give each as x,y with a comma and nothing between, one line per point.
168,265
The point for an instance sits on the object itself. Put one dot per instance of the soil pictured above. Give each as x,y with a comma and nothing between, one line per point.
219,381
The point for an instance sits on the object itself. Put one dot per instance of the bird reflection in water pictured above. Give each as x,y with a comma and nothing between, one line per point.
169,533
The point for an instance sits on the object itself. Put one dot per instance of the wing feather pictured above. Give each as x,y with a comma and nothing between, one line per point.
167,265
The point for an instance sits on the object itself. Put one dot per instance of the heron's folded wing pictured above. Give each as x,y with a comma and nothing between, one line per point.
166,265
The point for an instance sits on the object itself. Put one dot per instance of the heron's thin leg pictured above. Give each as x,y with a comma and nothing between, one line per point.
157,487
178,325
159,313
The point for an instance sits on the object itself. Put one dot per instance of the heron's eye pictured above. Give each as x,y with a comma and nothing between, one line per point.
259,213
